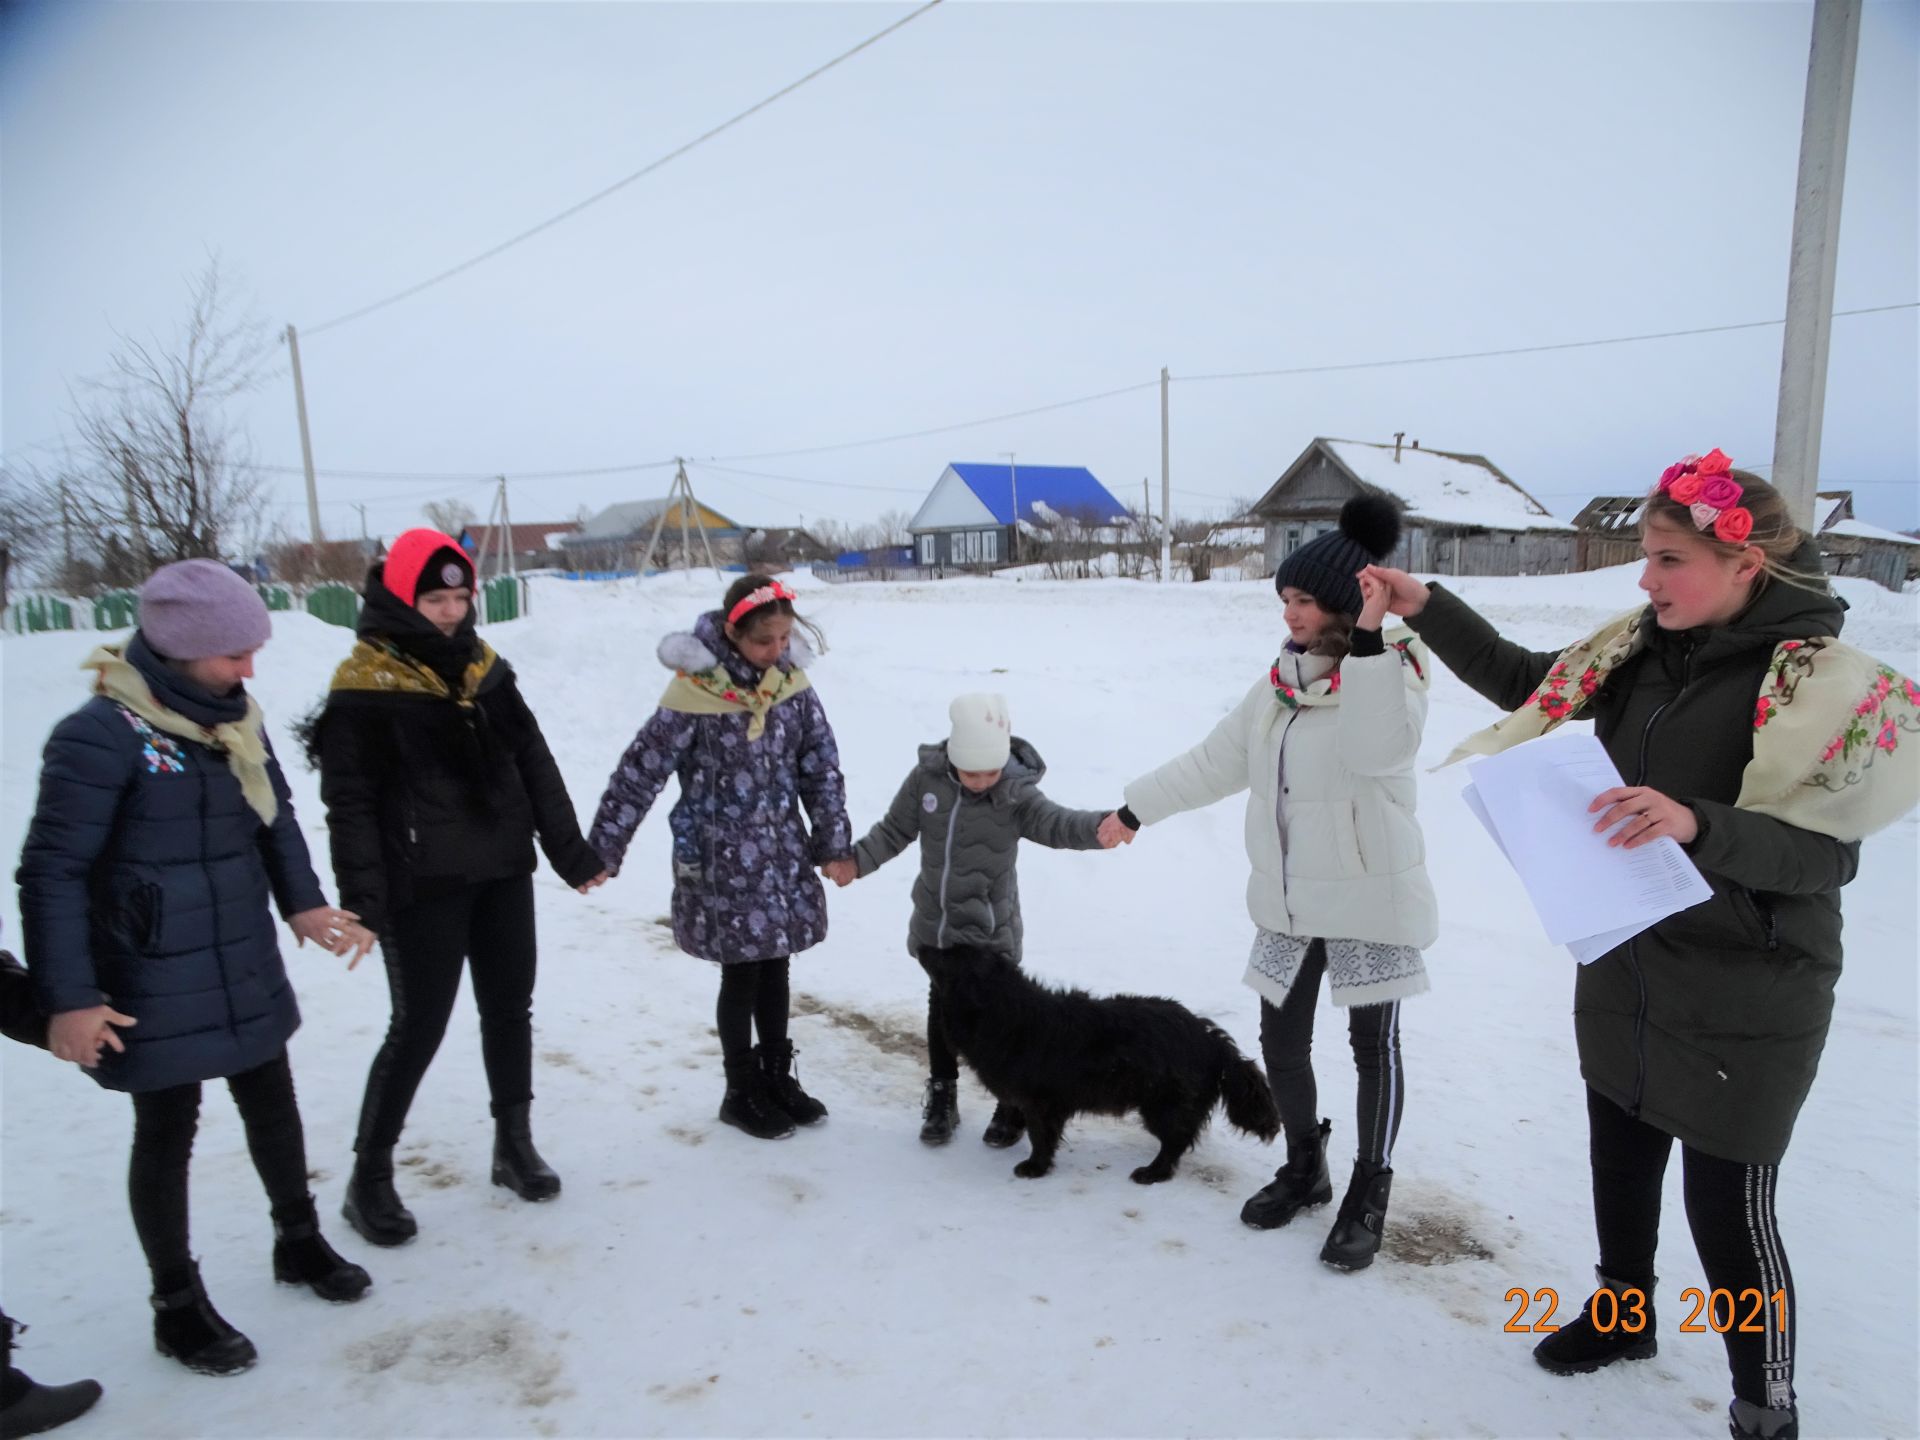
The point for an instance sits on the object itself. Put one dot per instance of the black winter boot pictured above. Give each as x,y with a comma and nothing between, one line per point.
1005,1128
1298,1184
940,1114
1363,1217
1582,1346
1748,1421
187,1328
302,1256
748,1104
783,1080
28,1407
371,1206
516,1164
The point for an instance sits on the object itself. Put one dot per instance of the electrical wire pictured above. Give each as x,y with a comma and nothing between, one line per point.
621,183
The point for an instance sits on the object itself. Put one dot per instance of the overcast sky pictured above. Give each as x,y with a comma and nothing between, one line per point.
999,207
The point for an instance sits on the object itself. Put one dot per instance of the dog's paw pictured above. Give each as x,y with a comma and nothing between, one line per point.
1151,1175
1031,1169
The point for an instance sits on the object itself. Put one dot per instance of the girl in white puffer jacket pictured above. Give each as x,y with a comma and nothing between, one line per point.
1325,746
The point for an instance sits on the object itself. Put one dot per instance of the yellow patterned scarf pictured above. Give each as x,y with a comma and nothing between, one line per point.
379,667
1836,743
242,741
714,692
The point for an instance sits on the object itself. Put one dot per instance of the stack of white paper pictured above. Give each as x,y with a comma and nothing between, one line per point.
1590,896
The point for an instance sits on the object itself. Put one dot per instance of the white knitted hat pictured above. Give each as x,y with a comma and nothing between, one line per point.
982,733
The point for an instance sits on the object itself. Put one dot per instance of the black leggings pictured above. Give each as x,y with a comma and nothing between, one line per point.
164,1124
1730,1210
1286,1041
753,996
491,925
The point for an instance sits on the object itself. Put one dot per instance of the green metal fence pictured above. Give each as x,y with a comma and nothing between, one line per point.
502,598
116,610
37,614
335,604
277,597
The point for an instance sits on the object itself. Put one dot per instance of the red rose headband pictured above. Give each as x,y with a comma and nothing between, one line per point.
752,601
1703,486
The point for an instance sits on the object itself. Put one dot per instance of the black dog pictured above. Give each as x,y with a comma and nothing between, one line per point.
1057,1053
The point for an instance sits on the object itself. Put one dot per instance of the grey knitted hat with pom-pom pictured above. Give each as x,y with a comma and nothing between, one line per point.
1326,567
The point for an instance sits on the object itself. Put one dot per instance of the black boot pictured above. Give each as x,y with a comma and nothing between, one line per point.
1748,1421
940,1114
516,1164
372,1207
1582,1346
1005,1128
1299,1183
187,1328
302,1256
748,1104
784,1081
1363,1217
28,1407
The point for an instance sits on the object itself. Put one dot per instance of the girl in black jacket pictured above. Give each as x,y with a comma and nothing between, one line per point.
1750,735
436,780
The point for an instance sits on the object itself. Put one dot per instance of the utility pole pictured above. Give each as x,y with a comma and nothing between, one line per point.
506,528
1816,247
306,440
1013,477
1166,488
363,516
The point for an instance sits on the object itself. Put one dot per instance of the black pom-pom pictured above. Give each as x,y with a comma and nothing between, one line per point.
1373,523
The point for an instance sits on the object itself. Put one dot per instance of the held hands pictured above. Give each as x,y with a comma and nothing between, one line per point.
335,931
1405,595
593,884
77,1035
1375,597
1113,831
843,872
1648,815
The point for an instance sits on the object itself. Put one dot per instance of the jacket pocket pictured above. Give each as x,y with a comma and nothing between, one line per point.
144,914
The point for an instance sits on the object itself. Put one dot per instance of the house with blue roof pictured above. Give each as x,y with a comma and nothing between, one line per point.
980,515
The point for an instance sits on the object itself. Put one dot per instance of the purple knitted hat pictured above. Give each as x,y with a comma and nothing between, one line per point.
196,609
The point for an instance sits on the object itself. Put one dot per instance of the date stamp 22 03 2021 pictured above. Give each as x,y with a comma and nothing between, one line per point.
1715,1312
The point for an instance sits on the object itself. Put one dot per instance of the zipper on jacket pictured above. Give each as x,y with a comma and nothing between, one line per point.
946,870
1633,945
219,950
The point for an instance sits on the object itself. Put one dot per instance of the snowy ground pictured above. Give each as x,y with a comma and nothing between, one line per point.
849,1281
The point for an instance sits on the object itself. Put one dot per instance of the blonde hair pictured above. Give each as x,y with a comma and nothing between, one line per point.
1774,534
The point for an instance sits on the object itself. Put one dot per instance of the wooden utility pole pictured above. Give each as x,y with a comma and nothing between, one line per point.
1816,248
1166,487
681,494
306,441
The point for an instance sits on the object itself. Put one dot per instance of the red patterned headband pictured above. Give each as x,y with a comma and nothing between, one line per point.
1704,485
765,595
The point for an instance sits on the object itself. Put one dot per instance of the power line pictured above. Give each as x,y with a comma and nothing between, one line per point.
619,184
1522,349
939,429
805,480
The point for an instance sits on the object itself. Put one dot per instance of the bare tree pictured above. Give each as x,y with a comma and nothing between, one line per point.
891,528
162,470
449,517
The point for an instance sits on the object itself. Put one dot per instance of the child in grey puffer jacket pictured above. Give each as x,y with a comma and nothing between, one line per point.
969,801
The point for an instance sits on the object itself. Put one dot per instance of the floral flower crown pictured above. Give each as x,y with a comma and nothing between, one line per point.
1704,485
765,595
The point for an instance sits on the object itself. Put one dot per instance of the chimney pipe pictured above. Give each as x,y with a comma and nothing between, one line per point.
1398,436
1416,444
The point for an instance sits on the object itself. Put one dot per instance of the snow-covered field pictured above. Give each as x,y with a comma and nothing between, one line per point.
849,1281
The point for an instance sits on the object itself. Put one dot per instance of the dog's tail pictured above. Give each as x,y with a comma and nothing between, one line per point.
1244,1089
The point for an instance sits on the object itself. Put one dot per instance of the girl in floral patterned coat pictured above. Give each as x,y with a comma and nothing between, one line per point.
1767,749
745,732
1324,744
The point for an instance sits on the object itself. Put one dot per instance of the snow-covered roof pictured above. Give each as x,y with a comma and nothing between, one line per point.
1861,530
618,521
1440,486
1827,507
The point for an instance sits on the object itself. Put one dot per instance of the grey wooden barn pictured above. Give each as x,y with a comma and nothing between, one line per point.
1460,514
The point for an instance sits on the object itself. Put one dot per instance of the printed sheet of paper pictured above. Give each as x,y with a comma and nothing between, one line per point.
1589,896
